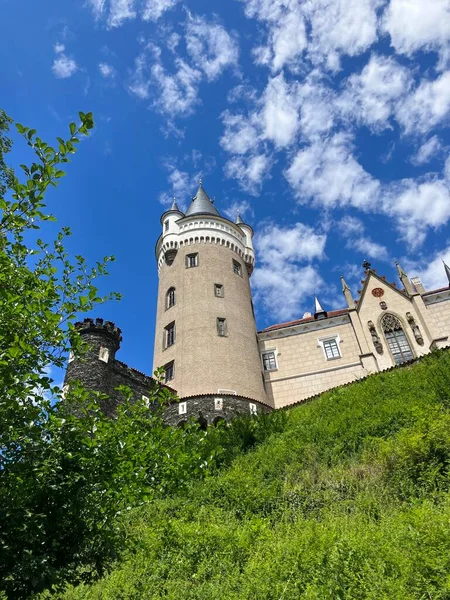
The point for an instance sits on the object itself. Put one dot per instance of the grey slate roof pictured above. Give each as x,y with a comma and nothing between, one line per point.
201,204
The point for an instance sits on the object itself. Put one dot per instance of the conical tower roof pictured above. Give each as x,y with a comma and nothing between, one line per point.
201,204
319,312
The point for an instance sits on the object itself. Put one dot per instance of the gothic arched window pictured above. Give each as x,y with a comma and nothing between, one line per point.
396,338
170,297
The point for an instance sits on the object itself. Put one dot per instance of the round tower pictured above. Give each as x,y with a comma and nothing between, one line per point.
205,327
94,368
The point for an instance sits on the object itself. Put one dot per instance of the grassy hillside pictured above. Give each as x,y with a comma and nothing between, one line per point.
350,501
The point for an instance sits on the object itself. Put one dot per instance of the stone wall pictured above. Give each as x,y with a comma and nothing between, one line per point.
205,409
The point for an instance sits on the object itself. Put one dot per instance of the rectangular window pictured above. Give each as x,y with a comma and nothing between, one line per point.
191,260
253,409
237,268
182,408
331,349
169,370
218,403
218,290
104,354
169,333
221,327
145,400
269,361
166,225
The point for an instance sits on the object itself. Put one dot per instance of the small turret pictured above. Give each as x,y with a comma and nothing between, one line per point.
93,369
319,312
249,257
170,230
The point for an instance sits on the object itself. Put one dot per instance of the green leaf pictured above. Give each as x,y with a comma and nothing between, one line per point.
72,128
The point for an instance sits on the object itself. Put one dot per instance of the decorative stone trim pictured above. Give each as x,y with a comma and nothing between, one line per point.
304,328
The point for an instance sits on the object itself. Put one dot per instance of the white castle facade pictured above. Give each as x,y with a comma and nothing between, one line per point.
214,357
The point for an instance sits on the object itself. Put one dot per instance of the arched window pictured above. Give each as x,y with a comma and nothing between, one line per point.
396,338
170,297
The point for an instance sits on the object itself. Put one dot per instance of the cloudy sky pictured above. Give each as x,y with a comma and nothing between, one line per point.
324,122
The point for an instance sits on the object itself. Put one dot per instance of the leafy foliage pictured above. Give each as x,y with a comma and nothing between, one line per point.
350,500
41,290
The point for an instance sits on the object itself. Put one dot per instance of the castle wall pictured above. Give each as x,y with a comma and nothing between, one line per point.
208,411
438,306
303,369
204,361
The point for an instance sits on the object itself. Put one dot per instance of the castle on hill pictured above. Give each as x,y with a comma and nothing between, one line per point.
207,342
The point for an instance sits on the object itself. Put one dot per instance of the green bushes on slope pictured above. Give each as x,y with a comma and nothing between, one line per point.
351,500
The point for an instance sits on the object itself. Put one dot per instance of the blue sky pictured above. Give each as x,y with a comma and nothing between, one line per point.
325,122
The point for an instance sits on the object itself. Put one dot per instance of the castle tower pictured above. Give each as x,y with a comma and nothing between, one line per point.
94,368
205,334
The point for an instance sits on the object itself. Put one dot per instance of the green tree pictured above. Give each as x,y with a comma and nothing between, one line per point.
42,289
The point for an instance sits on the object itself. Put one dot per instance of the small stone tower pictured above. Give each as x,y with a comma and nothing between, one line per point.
94,369
205,327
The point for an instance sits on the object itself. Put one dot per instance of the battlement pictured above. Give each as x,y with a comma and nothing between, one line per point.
99,327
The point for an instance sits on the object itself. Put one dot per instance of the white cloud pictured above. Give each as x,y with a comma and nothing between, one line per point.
107,71
241,207
417,205
58,48
418,24
287,41
210,46
317,103
327,173
427,151
280,111
431,271
154,9
174,94
249,171
340,27
372,95
335,28
353,231
116,12
63,66
241,134
178,92
427,106
284,277
120,11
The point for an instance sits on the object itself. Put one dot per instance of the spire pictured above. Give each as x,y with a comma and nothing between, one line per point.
404,279
174,205
447,271
201,204
319,312
239,218
347,293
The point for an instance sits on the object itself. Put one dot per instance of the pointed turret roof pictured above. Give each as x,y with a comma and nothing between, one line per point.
175,206
239,219
319,312
201,204
447,271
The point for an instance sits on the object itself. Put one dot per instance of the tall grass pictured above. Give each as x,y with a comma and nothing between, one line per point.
349,500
